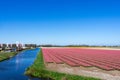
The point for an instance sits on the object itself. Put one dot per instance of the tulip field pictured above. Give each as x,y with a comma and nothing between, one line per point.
86,57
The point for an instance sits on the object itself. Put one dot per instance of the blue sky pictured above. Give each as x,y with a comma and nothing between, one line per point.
93,22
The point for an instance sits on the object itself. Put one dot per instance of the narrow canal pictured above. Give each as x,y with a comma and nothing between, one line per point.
14,68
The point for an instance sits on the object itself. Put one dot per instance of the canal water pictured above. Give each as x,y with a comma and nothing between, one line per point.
14,68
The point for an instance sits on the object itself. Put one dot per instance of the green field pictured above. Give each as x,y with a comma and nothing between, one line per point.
38,70
6,55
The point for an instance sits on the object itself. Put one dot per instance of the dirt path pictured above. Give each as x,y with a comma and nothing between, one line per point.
90,72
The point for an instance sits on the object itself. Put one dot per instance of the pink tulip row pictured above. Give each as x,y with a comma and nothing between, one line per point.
104,59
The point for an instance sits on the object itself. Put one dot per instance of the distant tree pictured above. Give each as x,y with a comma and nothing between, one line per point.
31,45
0,45
34,45
26,45
47,45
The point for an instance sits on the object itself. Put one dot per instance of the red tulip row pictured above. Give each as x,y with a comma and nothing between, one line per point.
104,59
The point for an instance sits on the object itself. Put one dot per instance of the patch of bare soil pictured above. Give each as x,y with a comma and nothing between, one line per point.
85,71
105,48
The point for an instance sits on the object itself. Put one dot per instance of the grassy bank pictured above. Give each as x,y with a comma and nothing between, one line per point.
6,55
38,70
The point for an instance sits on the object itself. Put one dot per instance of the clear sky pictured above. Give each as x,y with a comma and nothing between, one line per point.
94,22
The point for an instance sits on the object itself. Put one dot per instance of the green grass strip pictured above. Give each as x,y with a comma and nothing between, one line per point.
6,55
38,70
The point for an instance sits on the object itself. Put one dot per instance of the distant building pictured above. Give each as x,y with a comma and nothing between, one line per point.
0,49
7,49
19,47
0,45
